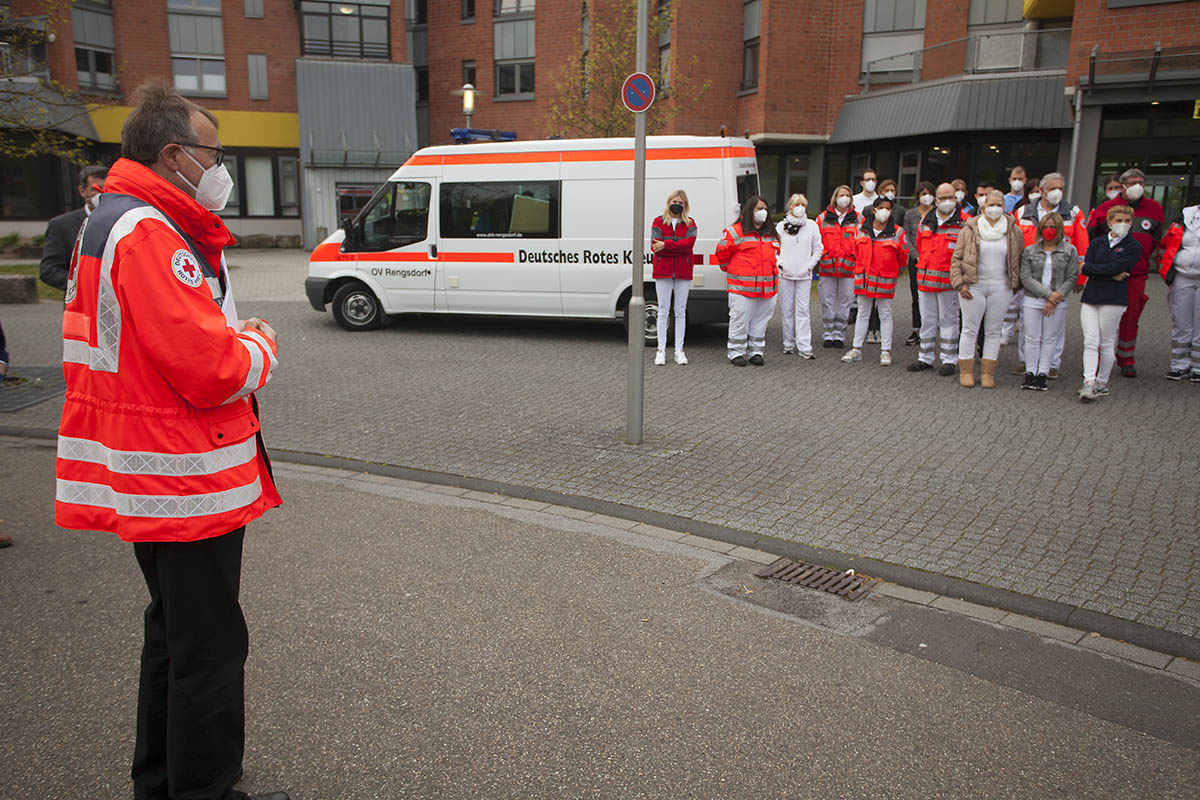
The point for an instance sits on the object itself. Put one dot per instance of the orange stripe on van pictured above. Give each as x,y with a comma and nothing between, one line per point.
549,157
331,251
489,258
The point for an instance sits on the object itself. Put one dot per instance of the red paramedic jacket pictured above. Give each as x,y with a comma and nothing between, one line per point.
935,248
879,256
679,240
749,262
159,433
837,242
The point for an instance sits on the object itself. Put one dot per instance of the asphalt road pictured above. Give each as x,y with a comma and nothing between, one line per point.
409,644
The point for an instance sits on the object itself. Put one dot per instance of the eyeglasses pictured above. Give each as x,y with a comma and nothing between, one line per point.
220,151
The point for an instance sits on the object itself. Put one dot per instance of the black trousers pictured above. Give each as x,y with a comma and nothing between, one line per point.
191,707
916,304
3,345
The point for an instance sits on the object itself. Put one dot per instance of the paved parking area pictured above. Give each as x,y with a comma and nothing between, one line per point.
1092,506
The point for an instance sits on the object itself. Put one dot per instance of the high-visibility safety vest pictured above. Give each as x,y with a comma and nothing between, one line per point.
837,242
159,433
749,261
935,247
878,258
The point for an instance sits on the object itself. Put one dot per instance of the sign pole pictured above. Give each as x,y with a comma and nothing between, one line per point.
637,301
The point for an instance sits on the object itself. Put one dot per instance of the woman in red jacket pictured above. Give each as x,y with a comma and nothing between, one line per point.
839,226
672,239
749,255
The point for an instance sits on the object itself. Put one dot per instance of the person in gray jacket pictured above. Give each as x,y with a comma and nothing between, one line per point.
1049,269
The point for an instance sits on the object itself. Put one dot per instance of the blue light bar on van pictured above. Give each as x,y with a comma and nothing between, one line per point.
464,135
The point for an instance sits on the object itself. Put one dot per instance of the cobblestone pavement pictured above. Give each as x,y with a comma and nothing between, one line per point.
1092,506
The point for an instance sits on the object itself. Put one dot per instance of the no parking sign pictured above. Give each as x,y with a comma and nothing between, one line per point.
637,93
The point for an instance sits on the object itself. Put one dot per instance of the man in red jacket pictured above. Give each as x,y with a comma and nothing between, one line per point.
1147,230
159,440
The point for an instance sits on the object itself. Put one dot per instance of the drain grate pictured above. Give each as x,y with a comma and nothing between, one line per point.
844,584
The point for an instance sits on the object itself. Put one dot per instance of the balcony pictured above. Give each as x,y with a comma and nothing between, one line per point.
986,52
1148,68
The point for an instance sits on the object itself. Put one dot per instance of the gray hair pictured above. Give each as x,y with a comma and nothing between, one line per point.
1051,176
1132,172
93,171
160,116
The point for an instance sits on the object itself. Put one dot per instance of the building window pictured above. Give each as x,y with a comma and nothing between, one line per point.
891,32
264,185
469,73
197,46
256,68
514,58
353,198
346,30
514,79
751,28
416,12
468,9
289,186
254,9
500,7
422,84
664,67
991,12
233,206
93,28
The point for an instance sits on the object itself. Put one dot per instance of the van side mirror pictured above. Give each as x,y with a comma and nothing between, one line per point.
348,227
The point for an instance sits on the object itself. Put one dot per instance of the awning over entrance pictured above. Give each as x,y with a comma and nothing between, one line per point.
1018,102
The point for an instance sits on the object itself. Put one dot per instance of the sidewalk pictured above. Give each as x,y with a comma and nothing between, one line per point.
409,642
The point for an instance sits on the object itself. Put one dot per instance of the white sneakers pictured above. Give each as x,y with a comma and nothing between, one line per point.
660,358
885,358
853,356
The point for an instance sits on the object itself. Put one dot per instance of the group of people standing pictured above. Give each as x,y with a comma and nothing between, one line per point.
982,274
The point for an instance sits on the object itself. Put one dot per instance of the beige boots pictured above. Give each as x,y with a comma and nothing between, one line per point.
966,372
987,373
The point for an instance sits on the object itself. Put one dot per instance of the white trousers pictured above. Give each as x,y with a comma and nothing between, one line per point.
1099,340
1041,334
748,318
1059,344
986,309
1184,300
666,288
794,296
835,295
884,304
1012,316
939,325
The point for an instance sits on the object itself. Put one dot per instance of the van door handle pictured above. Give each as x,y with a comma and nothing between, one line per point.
433,251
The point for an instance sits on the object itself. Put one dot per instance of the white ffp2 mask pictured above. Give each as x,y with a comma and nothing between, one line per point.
214,187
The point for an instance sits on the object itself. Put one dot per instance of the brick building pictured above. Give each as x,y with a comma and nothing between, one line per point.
318,101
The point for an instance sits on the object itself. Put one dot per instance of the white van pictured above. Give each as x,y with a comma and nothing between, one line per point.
537,228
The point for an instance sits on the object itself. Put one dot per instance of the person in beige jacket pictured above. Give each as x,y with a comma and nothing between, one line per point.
985,270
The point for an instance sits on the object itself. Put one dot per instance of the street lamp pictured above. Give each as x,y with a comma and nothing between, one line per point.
468,96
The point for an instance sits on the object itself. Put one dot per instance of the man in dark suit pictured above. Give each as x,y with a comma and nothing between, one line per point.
62,230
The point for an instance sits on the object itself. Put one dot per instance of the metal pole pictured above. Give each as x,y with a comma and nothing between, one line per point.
637,301
1075,195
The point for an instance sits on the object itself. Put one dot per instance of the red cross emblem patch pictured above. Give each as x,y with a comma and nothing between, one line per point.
187,269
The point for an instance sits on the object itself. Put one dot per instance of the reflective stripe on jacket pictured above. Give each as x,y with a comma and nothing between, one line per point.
878,259
1172,241
1075,230
159,434
935,246
749,262
837,243
679,240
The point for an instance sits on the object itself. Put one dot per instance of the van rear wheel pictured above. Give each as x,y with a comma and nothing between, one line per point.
356,308
649,319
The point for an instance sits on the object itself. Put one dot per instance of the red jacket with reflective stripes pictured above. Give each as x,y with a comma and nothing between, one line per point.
1173,240
159,433
679,240
837,242
878,258
935,247
749,261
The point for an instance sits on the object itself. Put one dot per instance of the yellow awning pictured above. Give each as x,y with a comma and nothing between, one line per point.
238,128
1048,9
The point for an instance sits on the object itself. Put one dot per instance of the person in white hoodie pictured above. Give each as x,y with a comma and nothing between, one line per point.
799,253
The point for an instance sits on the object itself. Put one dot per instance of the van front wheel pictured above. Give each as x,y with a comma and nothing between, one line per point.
649,319
356,308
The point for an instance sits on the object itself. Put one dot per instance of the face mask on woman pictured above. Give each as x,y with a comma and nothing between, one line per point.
1035,196
959,195
881,216
1049,233
676,208
945,206
760,216
799,213
926,199
843,202
994,212
1111,194
889,194
1119,229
